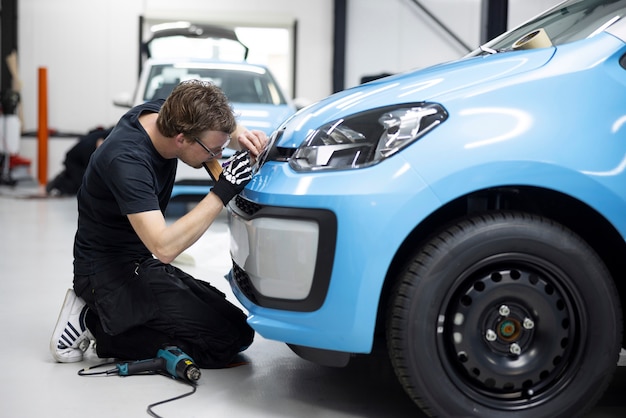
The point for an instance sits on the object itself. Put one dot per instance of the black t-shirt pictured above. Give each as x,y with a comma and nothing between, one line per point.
125,175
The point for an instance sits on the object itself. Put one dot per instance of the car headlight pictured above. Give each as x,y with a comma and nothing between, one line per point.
366,138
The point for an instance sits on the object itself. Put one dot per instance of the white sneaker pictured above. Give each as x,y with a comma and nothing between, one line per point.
71,337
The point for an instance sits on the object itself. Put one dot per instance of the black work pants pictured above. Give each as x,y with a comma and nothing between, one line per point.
139,308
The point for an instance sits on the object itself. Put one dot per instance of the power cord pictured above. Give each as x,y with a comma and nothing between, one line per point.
175,398
115,371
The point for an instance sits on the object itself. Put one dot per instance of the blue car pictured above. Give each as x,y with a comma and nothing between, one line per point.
471,216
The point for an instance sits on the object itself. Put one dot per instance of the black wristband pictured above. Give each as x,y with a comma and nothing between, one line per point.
225,190
236,174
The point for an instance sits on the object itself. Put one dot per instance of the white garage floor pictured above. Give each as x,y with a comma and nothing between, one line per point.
35,271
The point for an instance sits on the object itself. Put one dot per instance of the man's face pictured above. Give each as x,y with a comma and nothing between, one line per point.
205,147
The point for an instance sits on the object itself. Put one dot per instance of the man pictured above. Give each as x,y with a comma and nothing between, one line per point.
126,295
67,182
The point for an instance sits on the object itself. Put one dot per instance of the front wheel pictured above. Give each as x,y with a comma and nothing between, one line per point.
505,313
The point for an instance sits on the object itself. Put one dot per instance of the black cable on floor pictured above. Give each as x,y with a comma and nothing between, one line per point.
85,372
184,395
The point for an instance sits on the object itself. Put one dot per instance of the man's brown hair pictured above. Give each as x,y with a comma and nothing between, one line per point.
193,107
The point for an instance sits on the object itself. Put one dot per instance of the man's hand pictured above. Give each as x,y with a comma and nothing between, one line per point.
253,141
235,175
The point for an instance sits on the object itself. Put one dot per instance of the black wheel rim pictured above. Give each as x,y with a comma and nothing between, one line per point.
509,335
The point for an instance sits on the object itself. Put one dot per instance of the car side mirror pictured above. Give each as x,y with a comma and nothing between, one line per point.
123,100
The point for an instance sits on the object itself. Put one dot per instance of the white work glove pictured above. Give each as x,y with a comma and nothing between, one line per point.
235,175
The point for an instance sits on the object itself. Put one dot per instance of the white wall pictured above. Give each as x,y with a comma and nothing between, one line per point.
394,36
90,47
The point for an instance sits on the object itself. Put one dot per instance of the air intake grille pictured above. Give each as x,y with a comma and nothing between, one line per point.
246,206
243,282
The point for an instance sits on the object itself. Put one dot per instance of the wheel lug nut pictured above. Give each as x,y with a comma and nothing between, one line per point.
515,349
490,335
528,323
504,310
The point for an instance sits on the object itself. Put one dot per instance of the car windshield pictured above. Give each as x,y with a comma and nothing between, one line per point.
240,83
567,22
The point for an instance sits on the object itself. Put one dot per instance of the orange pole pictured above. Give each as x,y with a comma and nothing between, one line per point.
42,129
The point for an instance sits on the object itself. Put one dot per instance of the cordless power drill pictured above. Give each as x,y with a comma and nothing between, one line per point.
170,359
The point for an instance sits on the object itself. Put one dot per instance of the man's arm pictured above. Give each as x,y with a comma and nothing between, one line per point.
168,242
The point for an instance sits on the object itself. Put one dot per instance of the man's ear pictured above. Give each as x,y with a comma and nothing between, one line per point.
180,139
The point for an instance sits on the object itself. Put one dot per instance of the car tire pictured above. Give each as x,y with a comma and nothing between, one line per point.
505,313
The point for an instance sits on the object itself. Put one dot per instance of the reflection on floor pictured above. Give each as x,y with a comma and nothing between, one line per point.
36,270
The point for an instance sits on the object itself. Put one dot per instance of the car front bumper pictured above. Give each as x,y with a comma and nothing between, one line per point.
311,252
282,257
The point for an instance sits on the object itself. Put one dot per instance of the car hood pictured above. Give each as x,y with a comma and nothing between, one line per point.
428,84
262,117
